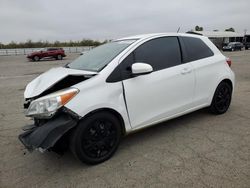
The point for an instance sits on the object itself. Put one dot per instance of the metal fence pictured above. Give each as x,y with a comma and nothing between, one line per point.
25,51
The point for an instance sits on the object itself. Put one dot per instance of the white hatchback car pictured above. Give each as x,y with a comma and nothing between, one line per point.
122,86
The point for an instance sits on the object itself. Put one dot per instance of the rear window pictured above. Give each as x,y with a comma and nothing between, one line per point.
196,49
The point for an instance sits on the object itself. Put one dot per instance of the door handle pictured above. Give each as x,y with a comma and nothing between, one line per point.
186,70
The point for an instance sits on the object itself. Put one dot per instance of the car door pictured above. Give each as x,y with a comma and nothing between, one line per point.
205,66
51,52
44,53
165,92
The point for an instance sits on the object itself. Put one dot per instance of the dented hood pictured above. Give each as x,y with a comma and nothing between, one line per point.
50,78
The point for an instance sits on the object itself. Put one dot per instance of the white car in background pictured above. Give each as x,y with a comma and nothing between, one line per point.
122,86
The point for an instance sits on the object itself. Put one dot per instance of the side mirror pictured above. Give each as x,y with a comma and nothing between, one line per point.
141,68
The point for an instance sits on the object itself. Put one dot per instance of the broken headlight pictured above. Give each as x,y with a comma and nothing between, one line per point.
46,107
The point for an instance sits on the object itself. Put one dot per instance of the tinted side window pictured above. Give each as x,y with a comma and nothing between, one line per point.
160,53
196,49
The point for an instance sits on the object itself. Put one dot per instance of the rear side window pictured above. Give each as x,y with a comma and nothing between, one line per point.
196,49
160,53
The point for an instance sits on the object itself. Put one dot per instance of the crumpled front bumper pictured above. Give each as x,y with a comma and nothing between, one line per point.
45,136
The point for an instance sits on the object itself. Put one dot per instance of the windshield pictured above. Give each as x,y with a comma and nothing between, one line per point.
99,57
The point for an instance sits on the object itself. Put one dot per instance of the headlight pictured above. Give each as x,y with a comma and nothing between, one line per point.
46,107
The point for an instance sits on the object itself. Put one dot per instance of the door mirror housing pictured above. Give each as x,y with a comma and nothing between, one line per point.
141,68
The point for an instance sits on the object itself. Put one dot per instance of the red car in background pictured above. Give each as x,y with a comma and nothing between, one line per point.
57,53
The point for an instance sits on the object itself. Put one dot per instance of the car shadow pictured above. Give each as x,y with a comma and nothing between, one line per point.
141,136
47,59
169,125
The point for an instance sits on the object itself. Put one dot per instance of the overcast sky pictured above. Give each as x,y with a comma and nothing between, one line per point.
66,20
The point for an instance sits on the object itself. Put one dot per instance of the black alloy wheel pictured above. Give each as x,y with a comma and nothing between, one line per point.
99,139
96,138
222,98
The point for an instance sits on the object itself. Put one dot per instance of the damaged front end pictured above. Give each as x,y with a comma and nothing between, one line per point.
44,134
45,99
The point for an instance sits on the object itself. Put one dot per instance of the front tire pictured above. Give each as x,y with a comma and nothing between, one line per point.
36,58
221,99
96,138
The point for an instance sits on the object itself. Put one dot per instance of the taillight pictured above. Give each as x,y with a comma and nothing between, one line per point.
229,62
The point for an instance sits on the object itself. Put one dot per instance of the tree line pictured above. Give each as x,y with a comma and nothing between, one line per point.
199,28
84,42
42,44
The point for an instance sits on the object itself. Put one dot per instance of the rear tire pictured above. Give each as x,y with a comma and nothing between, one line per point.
59,57
96,138
221,99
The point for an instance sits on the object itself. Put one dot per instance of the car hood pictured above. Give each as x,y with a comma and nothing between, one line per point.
48,79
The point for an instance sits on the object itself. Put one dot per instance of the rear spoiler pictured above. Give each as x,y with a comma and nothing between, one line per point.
194,33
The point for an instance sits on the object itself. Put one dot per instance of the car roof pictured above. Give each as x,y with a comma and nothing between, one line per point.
152,35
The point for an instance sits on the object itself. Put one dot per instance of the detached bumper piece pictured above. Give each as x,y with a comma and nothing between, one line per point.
45,136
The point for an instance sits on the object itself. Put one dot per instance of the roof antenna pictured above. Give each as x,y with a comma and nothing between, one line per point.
178,29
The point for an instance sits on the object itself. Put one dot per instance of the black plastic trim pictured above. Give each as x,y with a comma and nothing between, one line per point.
184,56
46,135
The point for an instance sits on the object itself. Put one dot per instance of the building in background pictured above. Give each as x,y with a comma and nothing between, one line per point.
220,38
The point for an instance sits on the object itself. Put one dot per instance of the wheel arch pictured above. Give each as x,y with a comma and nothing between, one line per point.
63,141
227,80
112,111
